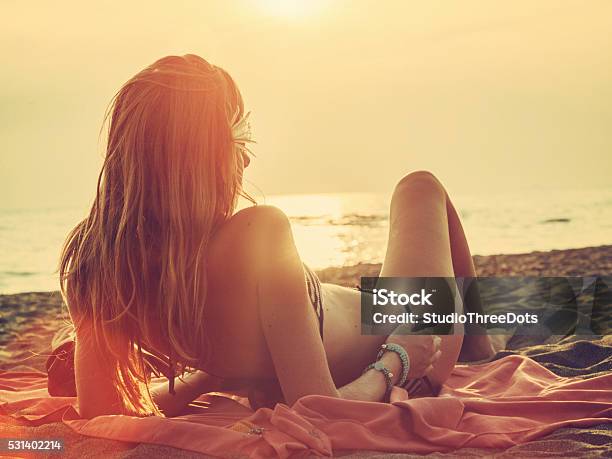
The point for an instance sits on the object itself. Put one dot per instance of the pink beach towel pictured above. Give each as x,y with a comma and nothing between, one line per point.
495,405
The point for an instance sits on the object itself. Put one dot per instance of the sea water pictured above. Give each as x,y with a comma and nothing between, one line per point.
341,229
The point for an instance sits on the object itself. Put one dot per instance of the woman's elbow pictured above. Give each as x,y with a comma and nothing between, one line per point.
88,409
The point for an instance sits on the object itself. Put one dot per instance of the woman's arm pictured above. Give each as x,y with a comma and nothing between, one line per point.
371,386
290,326
286,316
96,392
187,389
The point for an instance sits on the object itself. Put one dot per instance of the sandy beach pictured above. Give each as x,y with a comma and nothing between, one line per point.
29,320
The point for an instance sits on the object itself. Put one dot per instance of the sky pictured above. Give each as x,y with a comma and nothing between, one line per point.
346,95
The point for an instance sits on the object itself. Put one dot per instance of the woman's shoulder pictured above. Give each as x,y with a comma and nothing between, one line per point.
255,222
260,215
249,233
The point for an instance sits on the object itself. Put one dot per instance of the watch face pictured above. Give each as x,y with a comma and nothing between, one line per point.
379,366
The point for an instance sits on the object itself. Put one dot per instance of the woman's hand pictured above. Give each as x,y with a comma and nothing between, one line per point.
423,350
187,389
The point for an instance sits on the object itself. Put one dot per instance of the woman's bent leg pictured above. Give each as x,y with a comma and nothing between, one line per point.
420,246
475,346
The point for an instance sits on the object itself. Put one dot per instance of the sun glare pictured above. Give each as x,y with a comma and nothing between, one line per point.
289,9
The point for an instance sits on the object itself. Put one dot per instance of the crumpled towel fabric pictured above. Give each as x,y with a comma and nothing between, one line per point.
494,405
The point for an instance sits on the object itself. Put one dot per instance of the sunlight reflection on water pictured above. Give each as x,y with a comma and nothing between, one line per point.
341,229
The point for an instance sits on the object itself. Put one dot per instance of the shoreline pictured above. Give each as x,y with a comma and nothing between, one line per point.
586,261
29,320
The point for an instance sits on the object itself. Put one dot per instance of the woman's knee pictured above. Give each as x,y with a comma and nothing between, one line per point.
423,179
417,185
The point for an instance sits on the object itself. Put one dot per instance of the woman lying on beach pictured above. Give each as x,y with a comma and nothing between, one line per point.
165,270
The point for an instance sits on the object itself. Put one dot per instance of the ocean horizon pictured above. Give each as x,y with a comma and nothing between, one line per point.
341,229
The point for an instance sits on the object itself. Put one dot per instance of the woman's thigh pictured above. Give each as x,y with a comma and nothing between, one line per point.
419,246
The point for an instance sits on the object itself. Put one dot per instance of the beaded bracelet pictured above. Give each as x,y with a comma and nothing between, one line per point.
401,352
379,366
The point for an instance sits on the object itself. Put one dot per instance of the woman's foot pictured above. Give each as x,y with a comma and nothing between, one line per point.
482,348
476,348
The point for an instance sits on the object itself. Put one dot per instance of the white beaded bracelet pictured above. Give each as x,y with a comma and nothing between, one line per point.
401,352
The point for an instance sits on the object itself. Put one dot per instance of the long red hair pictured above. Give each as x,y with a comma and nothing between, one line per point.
171,176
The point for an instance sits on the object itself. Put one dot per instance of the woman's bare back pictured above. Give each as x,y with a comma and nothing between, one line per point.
232,319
